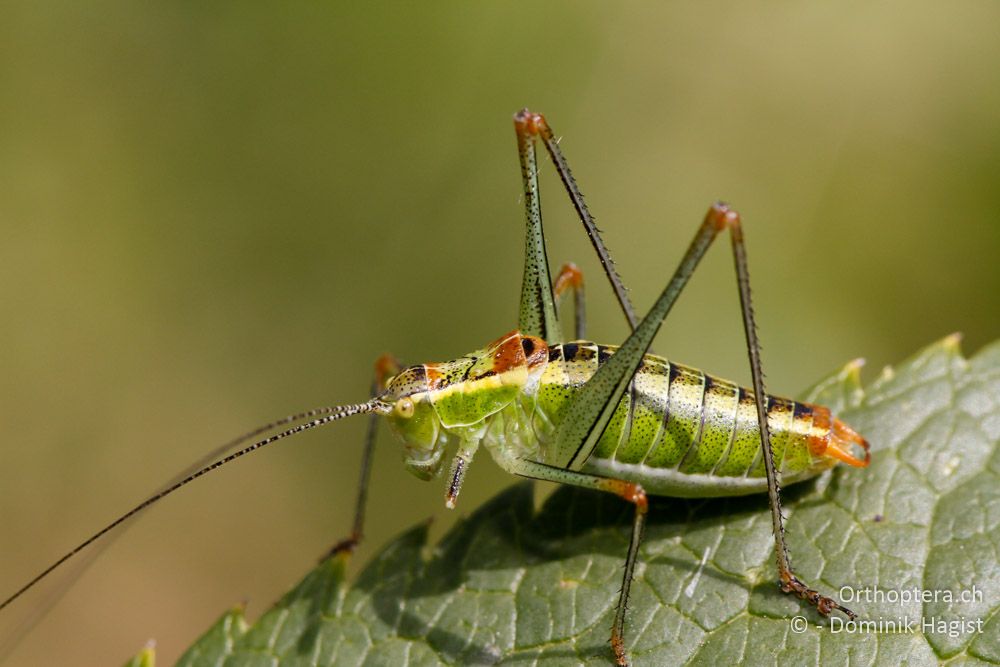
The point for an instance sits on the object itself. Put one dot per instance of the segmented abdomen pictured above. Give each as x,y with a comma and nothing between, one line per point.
681,429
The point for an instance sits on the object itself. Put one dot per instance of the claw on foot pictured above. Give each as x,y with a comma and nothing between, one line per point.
824,605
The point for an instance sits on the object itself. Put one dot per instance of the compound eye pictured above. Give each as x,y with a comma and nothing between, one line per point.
404,408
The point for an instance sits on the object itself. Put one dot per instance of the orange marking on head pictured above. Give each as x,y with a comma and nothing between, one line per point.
507,352
434,377
536,350
569,276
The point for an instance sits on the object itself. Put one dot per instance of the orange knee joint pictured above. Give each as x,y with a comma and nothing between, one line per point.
721,216
528,122
569,276
634,493
385,367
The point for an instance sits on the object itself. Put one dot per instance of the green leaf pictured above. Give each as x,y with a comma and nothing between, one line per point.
144,658
516,585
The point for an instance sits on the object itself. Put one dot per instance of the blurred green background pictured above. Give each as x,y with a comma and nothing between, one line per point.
216,215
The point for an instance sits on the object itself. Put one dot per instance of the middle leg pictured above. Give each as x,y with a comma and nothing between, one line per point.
629,491
570,277
385,367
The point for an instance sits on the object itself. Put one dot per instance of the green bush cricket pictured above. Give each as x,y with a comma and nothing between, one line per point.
617,419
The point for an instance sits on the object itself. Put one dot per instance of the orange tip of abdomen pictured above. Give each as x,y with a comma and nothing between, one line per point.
843,438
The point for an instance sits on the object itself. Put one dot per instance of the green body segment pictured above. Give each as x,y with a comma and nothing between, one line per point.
677,431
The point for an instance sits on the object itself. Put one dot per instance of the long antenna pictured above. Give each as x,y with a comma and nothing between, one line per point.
9,640
336,413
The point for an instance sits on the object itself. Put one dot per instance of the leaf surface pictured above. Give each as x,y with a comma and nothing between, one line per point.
516,585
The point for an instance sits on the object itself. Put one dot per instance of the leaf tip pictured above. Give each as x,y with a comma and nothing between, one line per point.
842,389
145,657
852,383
